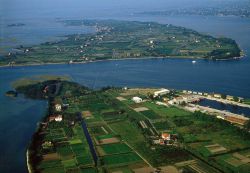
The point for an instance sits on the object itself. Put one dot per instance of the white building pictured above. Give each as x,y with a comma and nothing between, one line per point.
137,99
231,98
217,96
163,91
58,107
58,118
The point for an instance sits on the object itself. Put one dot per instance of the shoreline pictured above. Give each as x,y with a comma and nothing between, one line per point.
137,58
28,162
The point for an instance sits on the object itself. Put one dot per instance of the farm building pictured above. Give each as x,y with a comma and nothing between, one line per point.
217,96
163,91
165,136
137,99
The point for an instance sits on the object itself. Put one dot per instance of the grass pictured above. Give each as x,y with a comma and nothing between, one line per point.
50,164
36,79
247,101
161,126
107,136
69,163
98,130
150,114
84,160
75,141
167,112
115,148
128,132
123,169
64,151
89,170
53,170
121,159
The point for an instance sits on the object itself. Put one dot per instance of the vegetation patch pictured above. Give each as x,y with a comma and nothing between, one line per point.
150,114
121,159
115,148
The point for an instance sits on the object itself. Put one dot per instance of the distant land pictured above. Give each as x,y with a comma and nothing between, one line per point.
16,24
205,11
125,39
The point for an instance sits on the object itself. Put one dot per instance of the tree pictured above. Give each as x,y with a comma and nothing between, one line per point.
236,99
223,96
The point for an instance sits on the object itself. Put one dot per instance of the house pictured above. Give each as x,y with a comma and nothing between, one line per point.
161,92
125,88
165,136
57,118
58,107
46,89
230,98
217,96
47,145
220,117
137,99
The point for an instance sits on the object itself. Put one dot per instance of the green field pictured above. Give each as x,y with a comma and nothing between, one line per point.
121,159
115,148
150,114
128,132
161,126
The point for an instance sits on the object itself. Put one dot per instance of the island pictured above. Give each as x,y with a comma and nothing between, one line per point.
113,39
220,9
11,93
134,130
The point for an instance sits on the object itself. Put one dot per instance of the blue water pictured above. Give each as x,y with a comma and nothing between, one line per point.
227,107
18,116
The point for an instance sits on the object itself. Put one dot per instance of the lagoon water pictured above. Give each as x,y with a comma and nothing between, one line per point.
19,116
245,111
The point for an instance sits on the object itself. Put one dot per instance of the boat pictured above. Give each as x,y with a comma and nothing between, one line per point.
193,62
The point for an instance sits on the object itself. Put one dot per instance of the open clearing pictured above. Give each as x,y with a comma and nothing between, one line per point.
141,109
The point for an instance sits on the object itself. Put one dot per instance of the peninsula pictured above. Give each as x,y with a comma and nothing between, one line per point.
113,39
133,130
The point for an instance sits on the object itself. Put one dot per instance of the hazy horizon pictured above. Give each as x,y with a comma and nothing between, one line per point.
16,9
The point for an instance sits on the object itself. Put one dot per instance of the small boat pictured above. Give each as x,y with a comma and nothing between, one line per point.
193,62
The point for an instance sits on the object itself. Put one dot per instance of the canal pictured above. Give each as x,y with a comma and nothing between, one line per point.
87,135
